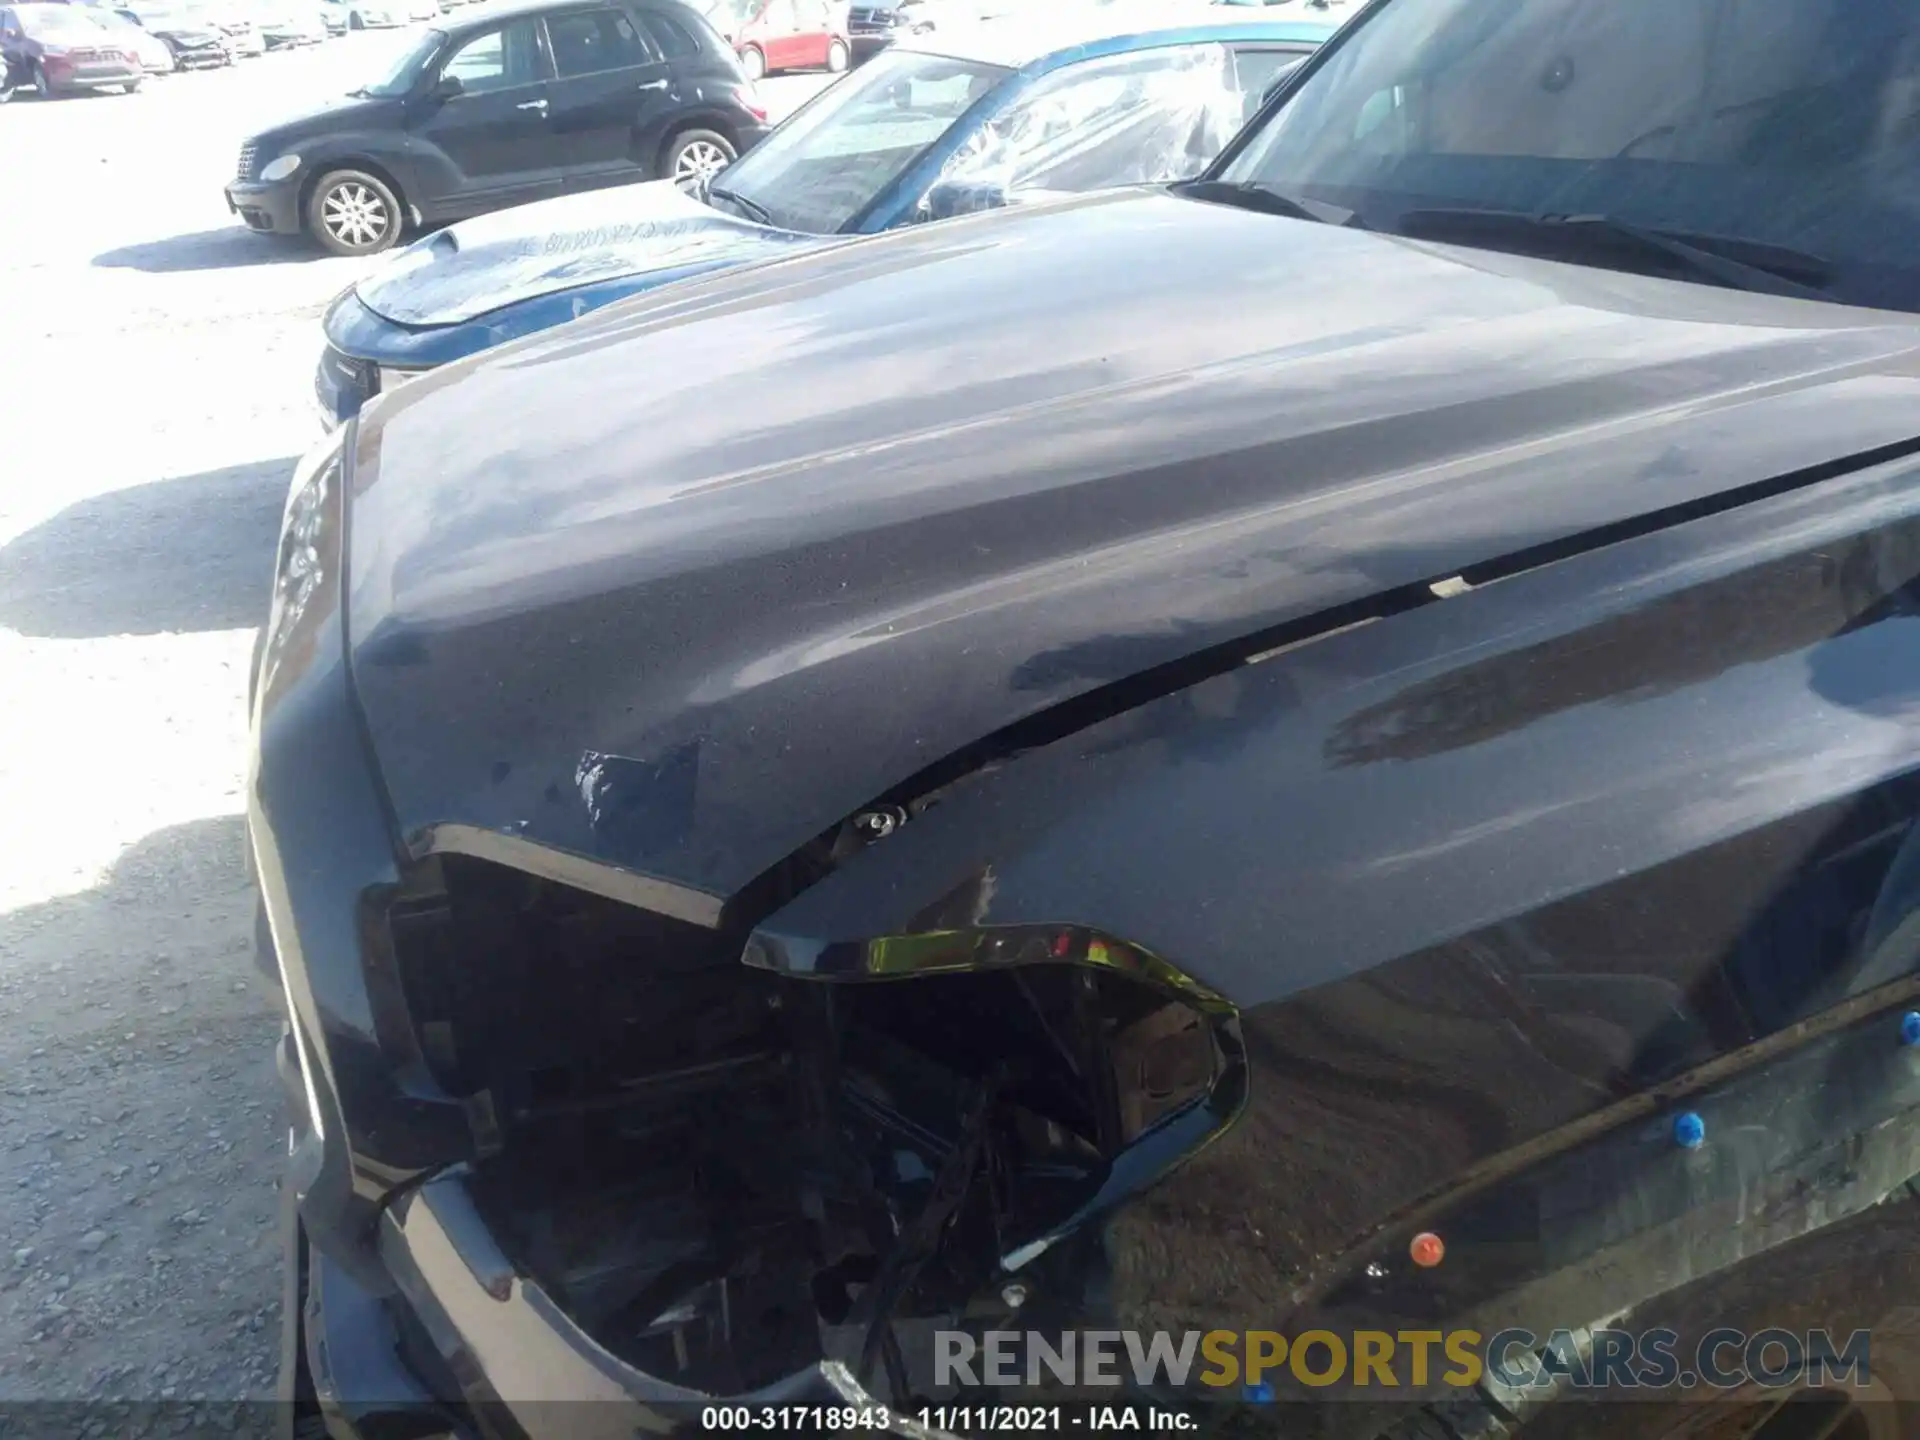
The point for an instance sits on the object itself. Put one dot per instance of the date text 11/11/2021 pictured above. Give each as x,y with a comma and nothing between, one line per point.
950,1419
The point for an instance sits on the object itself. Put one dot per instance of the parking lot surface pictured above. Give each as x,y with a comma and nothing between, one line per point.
155,392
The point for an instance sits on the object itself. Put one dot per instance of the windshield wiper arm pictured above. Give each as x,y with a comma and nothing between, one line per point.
1267,201
755,210
1766,269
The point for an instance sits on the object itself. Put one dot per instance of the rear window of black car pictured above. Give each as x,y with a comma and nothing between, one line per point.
590,42
673,38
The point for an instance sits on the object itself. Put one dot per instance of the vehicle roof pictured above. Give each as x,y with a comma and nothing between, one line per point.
1074,32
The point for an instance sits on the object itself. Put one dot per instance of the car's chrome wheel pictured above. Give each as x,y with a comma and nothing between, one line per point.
697,162
354,215
754,62
354,212
838,56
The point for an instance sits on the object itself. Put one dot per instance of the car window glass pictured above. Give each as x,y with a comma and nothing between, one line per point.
669,35
593,41
1147,117
833,156
404,68
56,20
1255,72
778,18
496,60
1785,126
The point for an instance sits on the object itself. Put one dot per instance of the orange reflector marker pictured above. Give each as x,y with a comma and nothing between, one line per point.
1427,1250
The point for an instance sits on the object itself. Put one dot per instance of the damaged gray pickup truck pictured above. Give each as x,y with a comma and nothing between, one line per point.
1330,748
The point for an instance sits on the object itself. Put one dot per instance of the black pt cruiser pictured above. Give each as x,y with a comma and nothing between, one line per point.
523,100
1331,749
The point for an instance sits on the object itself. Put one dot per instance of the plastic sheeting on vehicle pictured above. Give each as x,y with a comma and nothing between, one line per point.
1142,118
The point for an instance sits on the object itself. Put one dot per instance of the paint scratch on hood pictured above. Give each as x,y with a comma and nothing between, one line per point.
481,265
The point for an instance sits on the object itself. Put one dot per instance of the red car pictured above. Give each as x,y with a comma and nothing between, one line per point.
61,49
770,35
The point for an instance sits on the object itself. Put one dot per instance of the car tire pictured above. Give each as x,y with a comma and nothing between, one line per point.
354,22
753,60
693,156
7,85
130,87
838,57
351,212
42,84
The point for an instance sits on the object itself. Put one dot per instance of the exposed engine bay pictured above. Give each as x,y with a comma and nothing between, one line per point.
725,1175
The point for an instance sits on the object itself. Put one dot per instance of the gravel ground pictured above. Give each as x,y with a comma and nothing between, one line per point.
155,367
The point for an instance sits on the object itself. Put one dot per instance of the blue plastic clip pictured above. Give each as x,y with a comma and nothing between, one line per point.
1910,1028
1689,1130
1260,1393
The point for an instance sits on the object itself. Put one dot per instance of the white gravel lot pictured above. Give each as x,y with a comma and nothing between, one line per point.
155,382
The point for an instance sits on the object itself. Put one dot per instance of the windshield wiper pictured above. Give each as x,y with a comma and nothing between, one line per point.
753,208
1765,269
1267,201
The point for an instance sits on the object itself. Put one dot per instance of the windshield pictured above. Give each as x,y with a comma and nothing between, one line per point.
404,68
834,155
1751,128
55,20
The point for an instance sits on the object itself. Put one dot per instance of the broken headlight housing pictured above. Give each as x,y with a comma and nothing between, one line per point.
308,544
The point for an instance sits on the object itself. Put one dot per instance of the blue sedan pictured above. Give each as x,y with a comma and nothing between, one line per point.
1091,97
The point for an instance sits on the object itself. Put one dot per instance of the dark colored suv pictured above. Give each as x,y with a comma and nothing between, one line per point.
1326,757
525,102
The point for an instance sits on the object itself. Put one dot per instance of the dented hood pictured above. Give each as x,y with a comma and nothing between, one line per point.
680,585
481,265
